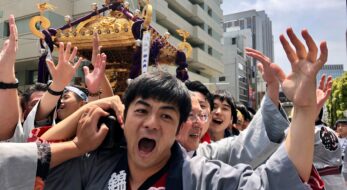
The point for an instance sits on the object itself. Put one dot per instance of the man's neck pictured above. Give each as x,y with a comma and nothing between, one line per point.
216,136
138,175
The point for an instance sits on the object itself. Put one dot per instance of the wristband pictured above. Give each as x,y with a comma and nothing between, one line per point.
4,85
98,93
54,93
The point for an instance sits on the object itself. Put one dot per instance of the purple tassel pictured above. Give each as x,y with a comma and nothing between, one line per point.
155,50
43,73
181,59
48,39
181,62
135,69
52,31
182,74
137,29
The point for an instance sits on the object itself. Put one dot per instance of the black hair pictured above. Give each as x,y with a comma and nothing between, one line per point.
160,86
225,95
251,110
197,86
231,132
244,111
25,97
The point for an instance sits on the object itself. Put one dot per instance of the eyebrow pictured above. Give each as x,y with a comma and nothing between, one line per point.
142,102
166,107
173,108
227,105
203,101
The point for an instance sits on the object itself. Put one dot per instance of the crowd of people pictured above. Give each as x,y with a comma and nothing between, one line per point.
174,135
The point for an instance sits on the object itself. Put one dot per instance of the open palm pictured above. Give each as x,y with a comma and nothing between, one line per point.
8,53
64,71
93,79
264,66
323,92
300,85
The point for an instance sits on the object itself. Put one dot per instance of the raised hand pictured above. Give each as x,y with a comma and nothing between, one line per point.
105,85
265,67
323,91
96,48
8,54
64,71
94,79
300,85
87,129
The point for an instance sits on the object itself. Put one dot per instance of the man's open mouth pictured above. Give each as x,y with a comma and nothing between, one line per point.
217,121
146,146
194,135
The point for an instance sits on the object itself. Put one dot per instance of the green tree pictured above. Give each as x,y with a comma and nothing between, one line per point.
337,102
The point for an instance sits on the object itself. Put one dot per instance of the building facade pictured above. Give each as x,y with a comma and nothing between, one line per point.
201,18
262,39
238,67
333,70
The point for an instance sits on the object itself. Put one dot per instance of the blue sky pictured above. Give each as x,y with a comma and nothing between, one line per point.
324,19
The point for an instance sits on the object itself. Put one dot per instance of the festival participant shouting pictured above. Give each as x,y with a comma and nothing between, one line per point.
157,104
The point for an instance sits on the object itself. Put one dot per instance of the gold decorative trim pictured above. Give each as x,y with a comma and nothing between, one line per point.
147,14
44,22
184,46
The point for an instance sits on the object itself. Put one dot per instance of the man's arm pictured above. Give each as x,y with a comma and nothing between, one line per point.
254,145
278,173
19,161
275,132
300,87
9,111
265,131
62,74
87,131
66,129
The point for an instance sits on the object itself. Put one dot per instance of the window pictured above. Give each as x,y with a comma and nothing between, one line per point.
209,11
249,22
210,31
230,24
242,24
6,29
233,41
237,23
22,25
225,27
209,50
221,79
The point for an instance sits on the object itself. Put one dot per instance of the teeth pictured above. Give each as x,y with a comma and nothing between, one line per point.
218,121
